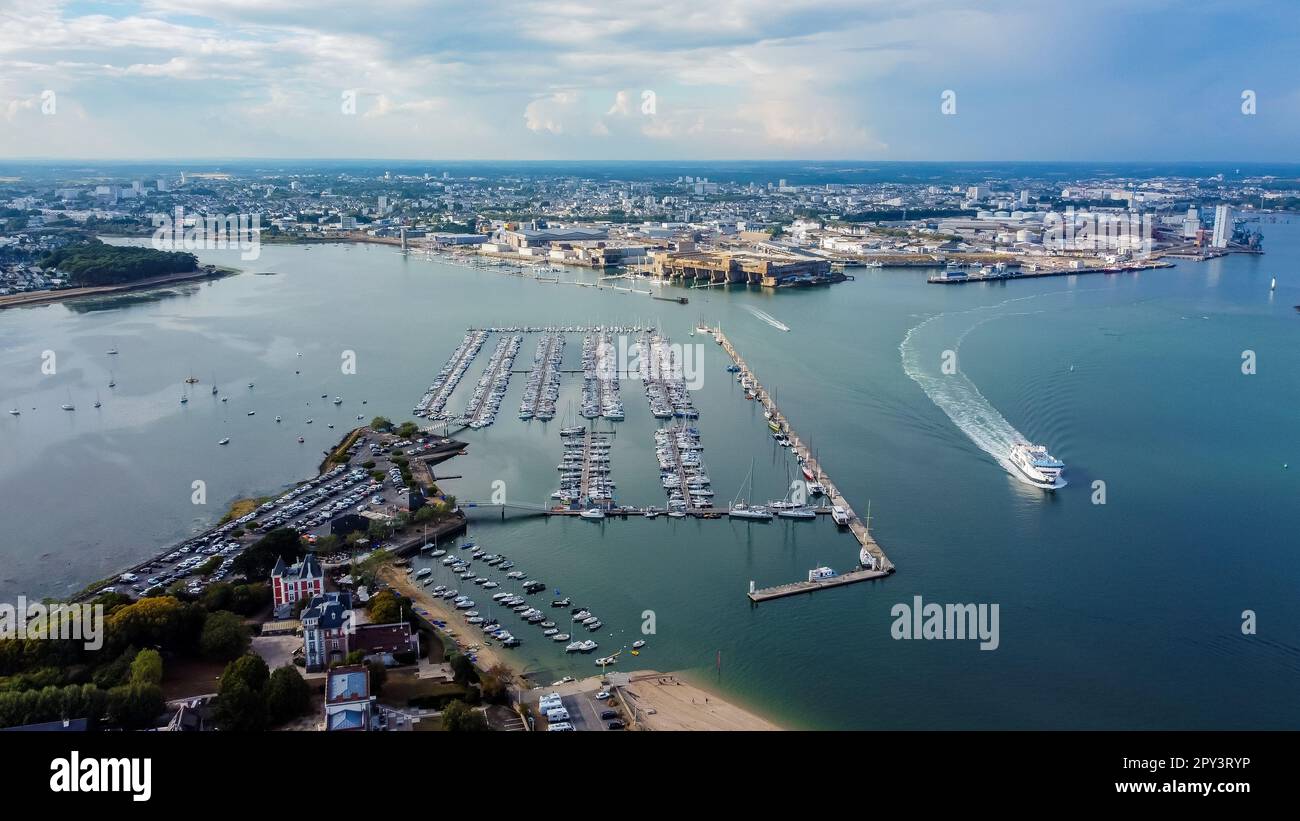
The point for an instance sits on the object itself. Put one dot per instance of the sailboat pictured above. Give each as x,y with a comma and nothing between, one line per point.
1272,286
113,350
112,380
741,510
68,406
214,384
97,402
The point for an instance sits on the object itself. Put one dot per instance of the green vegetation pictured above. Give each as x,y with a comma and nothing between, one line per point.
224,636
119,684
256,561
287,696
95,263
147,669
459,717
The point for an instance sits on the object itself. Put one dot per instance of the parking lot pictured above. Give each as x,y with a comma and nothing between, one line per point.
579,699
308,508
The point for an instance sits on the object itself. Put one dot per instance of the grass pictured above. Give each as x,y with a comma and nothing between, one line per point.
243,507
402,686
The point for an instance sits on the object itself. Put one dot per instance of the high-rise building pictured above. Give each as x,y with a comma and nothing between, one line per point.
1191,223
1222,226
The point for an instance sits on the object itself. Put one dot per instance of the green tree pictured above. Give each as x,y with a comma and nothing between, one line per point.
135,707
381,423
463,669
459,717
241,709
256,561
385,607
224,636
287,695
408,430
147,668
115,672
249,670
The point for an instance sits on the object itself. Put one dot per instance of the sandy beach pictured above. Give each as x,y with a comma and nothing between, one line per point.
463,634
663,701
659,701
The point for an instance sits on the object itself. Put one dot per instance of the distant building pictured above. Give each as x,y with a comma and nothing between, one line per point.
747,267
1191,223
1222,226
541,237
348,703
301,581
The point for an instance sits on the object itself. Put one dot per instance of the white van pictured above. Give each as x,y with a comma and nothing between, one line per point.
562,727
557,715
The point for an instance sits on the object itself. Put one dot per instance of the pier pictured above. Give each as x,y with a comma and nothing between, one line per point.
879,564
795,588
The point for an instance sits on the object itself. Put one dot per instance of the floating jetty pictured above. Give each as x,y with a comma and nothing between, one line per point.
862,574
873,563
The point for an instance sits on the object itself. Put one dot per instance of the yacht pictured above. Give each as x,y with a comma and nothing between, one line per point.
740,510
1037,466
225,441
593,513
840,515
797,513
15,412
638,644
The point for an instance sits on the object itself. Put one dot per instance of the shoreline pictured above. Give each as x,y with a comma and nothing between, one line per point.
683,705
47,297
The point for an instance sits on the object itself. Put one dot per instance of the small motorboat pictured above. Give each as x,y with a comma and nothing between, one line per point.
225,441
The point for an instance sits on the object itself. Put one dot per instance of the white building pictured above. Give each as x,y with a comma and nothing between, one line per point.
1222,226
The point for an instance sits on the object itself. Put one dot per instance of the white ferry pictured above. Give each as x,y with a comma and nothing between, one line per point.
1039,467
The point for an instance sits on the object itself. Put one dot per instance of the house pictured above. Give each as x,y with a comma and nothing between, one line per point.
301,581
327,622
391,644
348,703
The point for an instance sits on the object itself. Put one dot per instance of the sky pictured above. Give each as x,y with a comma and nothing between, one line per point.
670,80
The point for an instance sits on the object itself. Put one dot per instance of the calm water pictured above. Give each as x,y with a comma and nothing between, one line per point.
1125,614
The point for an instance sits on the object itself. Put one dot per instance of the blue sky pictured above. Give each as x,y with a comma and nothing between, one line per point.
566,79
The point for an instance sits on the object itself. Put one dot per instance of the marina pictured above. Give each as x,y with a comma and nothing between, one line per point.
871,431
486,401
433,402
872,560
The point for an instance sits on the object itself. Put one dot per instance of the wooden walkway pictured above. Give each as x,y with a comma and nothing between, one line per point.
882,565
795,588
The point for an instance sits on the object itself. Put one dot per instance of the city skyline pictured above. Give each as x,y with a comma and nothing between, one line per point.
158,79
